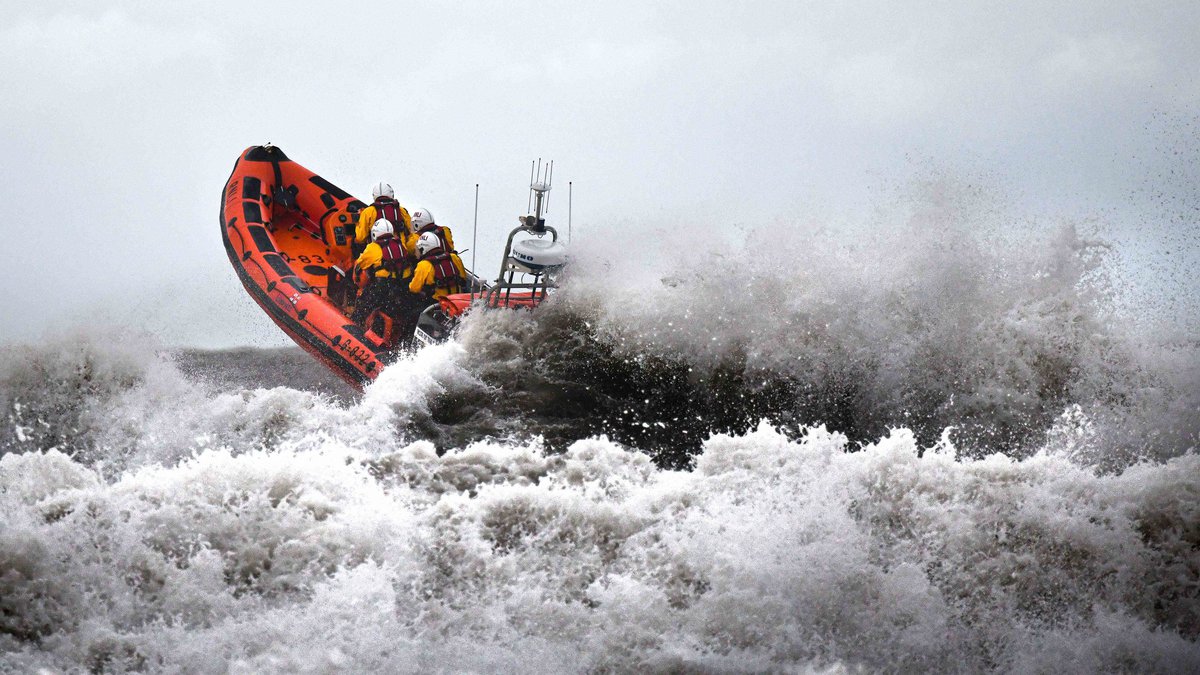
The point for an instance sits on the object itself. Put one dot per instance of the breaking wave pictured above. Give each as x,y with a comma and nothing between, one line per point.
936,449
771,554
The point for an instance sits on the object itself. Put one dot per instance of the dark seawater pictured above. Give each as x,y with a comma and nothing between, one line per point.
262,368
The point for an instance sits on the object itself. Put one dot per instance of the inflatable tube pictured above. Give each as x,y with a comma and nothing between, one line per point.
288,232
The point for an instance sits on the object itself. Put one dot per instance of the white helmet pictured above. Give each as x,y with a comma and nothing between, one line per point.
382,189
421,218
427,242
380,228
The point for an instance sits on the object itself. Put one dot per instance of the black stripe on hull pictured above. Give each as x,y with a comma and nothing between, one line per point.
342,366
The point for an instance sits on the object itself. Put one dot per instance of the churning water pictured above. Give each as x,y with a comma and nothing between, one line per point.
944,452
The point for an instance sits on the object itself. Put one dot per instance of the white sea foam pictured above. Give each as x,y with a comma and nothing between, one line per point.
772,554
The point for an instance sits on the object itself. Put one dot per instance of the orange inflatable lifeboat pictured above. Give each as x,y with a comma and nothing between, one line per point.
289,233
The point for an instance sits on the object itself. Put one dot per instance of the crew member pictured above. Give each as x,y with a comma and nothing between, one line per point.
422,222
385,207
381,262
439,273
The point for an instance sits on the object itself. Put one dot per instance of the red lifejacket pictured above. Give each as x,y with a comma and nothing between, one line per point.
445,274
393,254
437,230
389,210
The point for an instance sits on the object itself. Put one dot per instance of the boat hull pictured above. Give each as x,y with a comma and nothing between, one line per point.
284,229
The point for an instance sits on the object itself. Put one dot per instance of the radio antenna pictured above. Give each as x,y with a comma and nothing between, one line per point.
529,203
570,195
475,228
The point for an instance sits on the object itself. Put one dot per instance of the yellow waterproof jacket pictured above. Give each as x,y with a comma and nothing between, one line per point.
367,218
424,279
371,259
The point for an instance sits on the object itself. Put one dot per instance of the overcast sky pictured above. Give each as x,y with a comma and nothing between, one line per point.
120,122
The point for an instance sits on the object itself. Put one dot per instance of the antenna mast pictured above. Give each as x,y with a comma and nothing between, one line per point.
475,227
539,195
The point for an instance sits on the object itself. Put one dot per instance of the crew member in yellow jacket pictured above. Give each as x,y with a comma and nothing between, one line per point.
422,222
387,208
382,261
439,273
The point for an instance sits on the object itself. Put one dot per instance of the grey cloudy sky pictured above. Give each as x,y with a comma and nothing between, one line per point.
120,121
